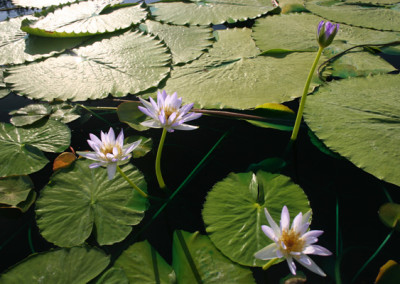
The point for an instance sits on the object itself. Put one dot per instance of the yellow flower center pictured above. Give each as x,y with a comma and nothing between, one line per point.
292,241
108,149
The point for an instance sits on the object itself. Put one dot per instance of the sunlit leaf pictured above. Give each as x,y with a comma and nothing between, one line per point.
209,12
237,233
63,266
367,132
14,190
84,18
79,200
389,213
40,3
143,264
119,65
195,253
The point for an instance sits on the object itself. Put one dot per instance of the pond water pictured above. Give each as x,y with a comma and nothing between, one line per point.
344,198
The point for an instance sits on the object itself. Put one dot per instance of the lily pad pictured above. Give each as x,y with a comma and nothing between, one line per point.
242,197
277,116
368,16
128,63
206,12
14,190
143,264
63,266
367,132
291,6
232,76
79,200
389,273
113,276
144,147
21,148
186,43
85,18
40,3
389,213
18,47
129,113
197,260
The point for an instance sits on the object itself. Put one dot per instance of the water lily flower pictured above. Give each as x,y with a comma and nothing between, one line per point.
108,151
167,113
293,243
326,33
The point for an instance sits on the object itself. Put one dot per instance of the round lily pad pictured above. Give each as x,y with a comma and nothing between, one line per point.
14,190
242,197
79,200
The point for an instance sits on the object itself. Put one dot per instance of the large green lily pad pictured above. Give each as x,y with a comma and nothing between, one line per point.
62,266
196,260
368,16
205,12
142,264
186,43
113,276
85,18
128,63
21,147
79,200
40,3
232,76
367,132
242,197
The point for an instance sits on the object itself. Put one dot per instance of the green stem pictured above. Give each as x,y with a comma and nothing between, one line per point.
304,96
141,192
270,263
372,256
158,160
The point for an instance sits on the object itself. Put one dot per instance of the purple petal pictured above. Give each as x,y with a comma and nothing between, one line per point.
269,252
130,147
292,266
95,165
111,169
269,233
185,127
320,25
310,264
120,138
311,236
285,219
317,250
272,223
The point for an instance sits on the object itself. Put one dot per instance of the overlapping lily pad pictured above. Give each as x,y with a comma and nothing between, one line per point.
205,12
85,18
367,132
40,3
232,76
79,201
127,63
143,264
197,260
18,47
242,197
113,276
185,43
368,16
22,147
63,266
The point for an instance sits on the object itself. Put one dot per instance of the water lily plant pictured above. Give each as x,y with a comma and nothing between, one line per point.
110,152
326,32
292,243
168,114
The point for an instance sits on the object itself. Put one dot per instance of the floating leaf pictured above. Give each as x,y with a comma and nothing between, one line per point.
195,253
367,132
18,47
144,147
143,264
84,18
63,266
40,3
79,200
374,17
389,213
291,6
14,190
186,43
231,76
237,233
20,148
64,160
119,65
389,273
113,276
131,115
210,12
277,116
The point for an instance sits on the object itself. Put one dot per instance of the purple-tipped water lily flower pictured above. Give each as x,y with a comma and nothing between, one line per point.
108,152
292,243
167,113
326,33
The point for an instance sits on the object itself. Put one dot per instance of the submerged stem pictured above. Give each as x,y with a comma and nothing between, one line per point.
304,96
141,192
158,160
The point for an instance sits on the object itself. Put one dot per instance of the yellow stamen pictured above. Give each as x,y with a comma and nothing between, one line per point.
292,241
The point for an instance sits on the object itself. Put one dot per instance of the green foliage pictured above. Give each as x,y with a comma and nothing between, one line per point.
389,213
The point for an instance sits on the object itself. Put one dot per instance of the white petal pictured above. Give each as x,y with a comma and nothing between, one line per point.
120,138
89,155
185,109
317,250
185,127
130,147
285,219
291,264
269,252
272,223
95,139
95,146
151,123
115,151
312,266
95,165
312,236
297,222
145,111
111,136
191,116
111,169
269,233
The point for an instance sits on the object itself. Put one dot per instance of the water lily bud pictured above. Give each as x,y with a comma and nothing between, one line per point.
326,33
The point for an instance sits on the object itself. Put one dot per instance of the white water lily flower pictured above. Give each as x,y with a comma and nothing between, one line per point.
108,151
167,113
292,243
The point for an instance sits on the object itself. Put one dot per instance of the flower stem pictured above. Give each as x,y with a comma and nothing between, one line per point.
158,160
270,263
141,192
304,96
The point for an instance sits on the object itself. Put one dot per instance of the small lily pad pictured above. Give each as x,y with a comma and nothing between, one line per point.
14,190
389,213
130,114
